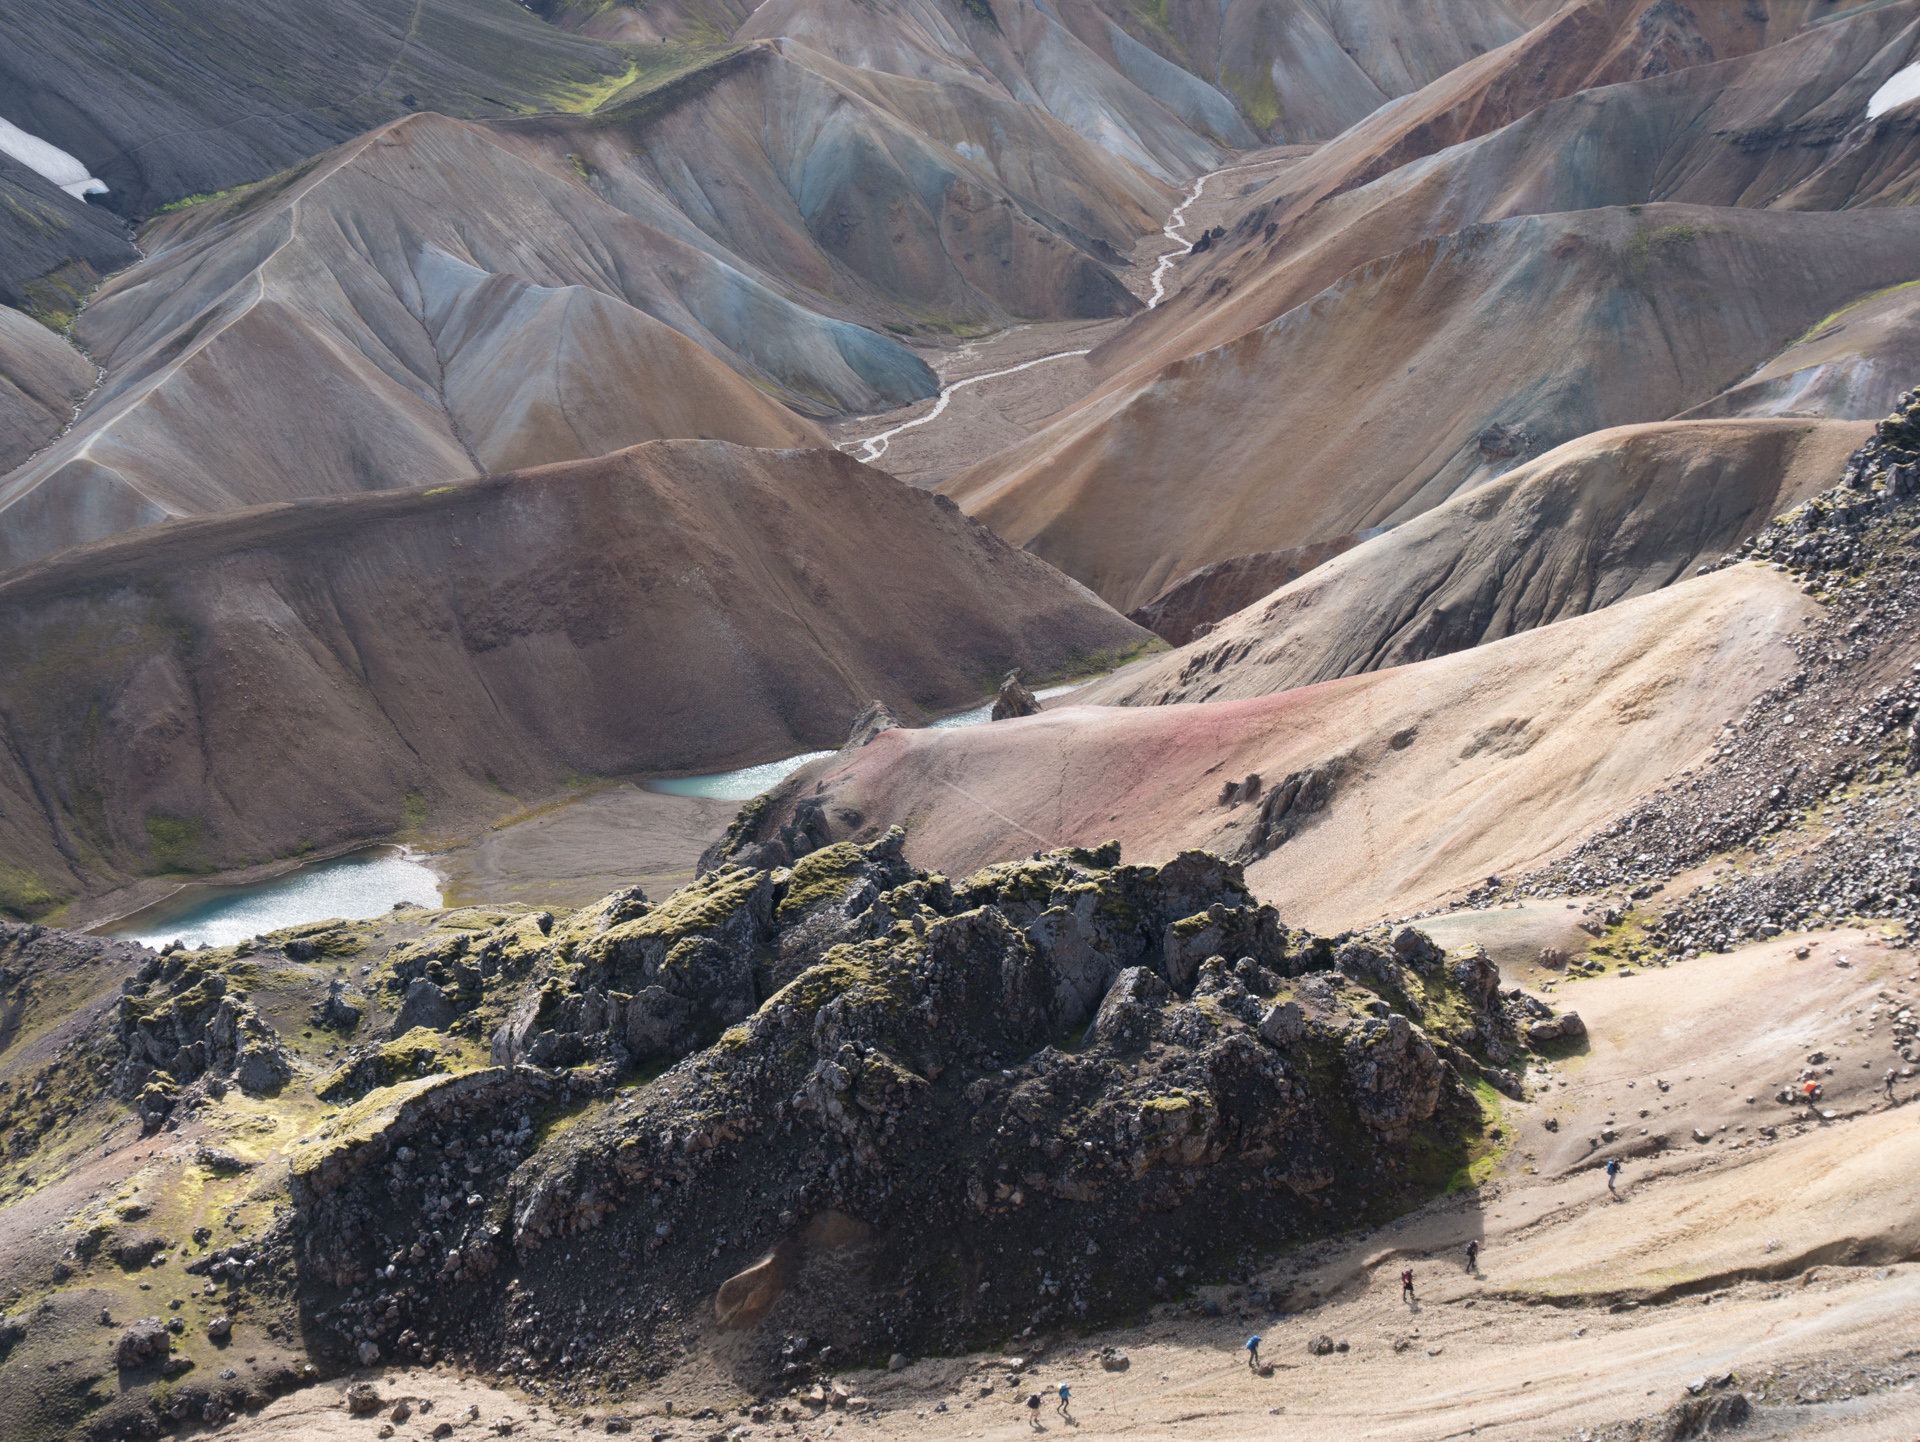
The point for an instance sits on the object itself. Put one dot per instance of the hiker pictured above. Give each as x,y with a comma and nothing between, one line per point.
1613,1171
1033,1410
1064,1395
1888,1080
1406,1285
1253,1354
1473,1254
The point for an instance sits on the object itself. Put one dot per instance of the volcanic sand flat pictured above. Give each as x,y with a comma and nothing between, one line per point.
568,854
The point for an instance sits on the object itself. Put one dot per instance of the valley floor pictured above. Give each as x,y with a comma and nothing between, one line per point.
994,414
1772,1243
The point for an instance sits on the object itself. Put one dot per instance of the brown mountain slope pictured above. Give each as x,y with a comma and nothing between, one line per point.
1784,127
893,198
1793,113
1151,113
359,326
1418,781
231,687
1305,72
1370,403
1610,516
42,378
1854,364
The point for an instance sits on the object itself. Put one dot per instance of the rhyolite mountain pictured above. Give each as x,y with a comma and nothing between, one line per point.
1478,257
1522,462
696,604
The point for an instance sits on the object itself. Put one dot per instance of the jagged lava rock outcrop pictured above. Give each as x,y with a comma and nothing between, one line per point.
895,1087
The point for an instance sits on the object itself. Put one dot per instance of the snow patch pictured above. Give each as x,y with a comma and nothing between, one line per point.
1904,86
49,160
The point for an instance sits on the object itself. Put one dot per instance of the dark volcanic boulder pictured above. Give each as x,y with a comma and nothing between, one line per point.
145,1341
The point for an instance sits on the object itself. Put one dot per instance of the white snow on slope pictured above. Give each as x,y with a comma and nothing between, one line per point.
49,160
1904,86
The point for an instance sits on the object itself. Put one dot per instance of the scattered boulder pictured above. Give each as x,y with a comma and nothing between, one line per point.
369,1353
426,1005
364,1399
1112,1359
1705,1416
221,1326
1232,793
1321,1346
1503,442
135,1249
145,1341
1284,1024
1014,698
336,1013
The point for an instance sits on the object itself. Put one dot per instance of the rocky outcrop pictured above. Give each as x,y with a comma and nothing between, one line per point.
178,1023
874,718
1015,698
430,1152
888,1078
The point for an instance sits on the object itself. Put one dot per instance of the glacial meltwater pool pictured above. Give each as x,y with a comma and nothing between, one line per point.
749,781
356,888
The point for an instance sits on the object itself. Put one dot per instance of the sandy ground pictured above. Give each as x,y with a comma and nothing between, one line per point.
571,853
1792,1263
995,414
1437,775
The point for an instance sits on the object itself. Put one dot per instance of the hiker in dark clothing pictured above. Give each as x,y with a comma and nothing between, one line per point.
1406,1285
1613,1171
1889,1080
1473,1254
1033,1410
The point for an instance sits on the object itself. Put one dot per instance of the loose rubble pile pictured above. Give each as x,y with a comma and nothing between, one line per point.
1811,789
